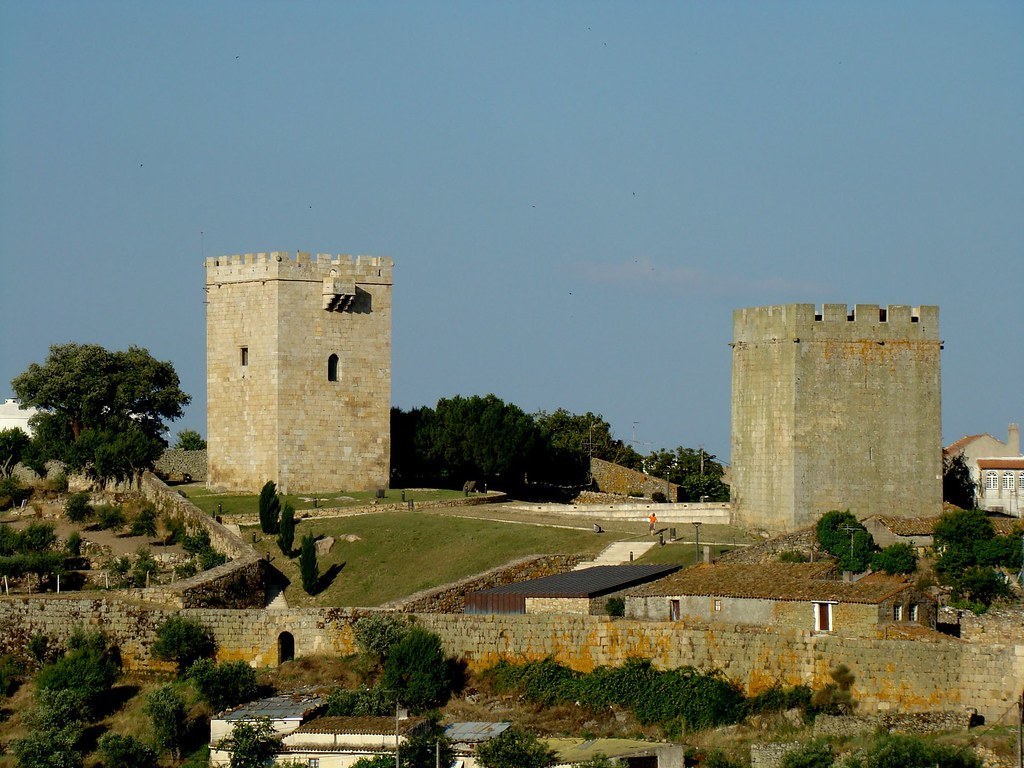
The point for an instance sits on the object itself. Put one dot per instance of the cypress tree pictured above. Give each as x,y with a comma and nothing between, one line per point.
286,534
270,508
308,566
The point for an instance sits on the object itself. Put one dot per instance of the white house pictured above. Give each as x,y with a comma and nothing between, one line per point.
13,415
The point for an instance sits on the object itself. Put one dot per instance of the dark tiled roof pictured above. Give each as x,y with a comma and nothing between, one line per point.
359,725
910,526
773,581
589,582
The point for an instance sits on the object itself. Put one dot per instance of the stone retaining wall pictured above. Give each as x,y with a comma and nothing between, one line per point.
891,722
620,480
716,512
451,598
174,464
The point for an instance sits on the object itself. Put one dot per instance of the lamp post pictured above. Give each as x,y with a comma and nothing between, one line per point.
852,529
696,546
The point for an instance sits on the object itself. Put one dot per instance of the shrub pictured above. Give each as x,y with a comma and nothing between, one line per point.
658,497
418,671
37,537
175,527
377,633
269,507
124,751
185,570
110,517
224,685
144,523
11,672
814,754
251,744
39,648
912,752
897,558
309,569
853,548
197,542
286,534
88,670
166,708
779,699
615,606
48,749
145,566
836,697
718,759
361,702
792,556
77,508
12,492
183,641
211,558
979,585
73,544
515,748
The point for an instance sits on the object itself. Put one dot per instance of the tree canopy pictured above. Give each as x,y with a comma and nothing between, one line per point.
101,411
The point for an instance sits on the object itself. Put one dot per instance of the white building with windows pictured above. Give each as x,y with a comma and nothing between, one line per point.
12,415
997,468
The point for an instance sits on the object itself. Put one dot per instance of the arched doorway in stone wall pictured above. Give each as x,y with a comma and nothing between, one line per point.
285,647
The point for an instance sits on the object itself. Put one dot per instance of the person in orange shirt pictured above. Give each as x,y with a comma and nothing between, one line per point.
653,520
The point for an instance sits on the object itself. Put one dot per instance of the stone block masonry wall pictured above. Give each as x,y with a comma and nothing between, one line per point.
622,481
905,675
174,464
837,409
298,371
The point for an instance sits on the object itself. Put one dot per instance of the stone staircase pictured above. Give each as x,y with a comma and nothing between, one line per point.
617,553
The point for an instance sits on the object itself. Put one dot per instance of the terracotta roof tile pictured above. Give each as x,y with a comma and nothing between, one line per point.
1001,463
358,725
774,581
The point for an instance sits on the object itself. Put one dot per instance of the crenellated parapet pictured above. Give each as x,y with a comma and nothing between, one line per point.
836,322
341,270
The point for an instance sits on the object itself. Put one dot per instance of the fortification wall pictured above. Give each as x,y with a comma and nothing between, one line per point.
718,512
622,481
919,675
298,371
174,464
835,409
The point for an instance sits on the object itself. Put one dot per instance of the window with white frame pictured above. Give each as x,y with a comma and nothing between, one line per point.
718,605
991,481
913,612
1020,482
822,617
313,762
897,613
1007,481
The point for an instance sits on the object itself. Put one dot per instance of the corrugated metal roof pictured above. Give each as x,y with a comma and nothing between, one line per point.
281,707
474,732
589,582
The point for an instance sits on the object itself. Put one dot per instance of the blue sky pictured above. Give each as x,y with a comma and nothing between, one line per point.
576,194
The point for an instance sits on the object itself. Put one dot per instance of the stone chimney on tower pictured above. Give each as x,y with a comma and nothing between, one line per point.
1013,440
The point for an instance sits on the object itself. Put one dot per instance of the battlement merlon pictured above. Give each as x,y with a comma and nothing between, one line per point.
836,322
279,265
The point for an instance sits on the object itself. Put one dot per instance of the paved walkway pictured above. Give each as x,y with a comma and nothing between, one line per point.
618,553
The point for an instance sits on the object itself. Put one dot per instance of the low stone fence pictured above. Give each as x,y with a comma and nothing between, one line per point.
918,723
715,512
478,499
451,598
771,754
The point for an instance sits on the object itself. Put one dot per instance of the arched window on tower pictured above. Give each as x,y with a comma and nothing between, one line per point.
332,368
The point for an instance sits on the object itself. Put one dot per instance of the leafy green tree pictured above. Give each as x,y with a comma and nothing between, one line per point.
814,754
224,685
309,569
251,743
360,702
102,412
980,586
695,471
899,558
118,751
377,761
77,508
144,568
958,486
38,537
110,517
417,669
269,507
515,748
842,536
571,439
166,708
89,669
286,534
190,440
377,633
12,492
14,443
47,749
183,641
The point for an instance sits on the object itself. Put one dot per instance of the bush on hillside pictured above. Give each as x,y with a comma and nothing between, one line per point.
377,633
224,685
77,508
842,536
417,669
183,641
898,558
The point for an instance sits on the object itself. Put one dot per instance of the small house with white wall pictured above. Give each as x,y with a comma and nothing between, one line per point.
14,416
997,468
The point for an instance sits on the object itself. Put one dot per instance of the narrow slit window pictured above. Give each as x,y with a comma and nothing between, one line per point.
244,355
332,368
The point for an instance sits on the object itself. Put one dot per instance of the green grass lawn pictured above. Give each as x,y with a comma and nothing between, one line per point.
398,553
227,504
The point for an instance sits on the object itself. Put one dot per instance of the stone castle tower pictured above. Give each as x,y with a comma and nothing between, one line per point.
298,371
835,409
